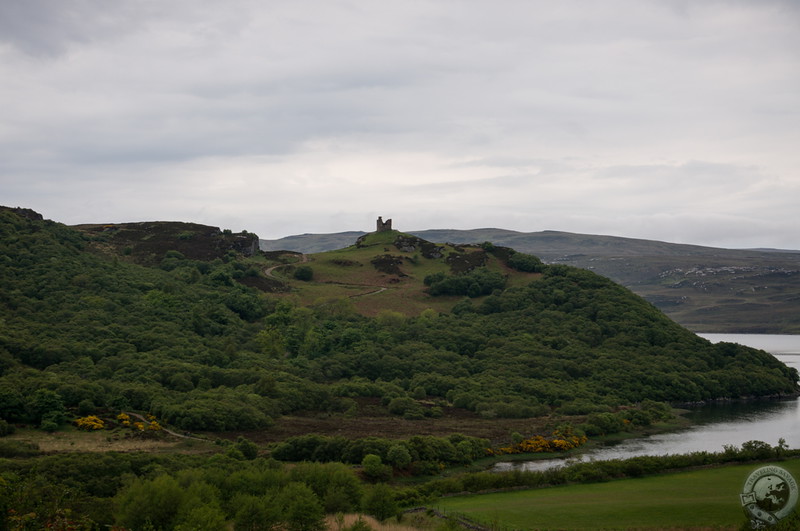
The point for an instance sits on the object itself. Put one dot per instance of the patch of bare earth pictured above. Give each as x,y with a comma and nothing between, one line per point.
100,441
375,422
412,522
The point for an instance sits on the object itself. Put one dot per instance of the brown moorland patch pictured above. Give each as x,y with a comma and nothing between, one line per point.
106,441
375,423
410,522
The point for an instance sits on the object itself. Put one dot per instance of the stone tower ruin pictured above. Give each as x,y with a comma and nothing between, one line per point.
383,226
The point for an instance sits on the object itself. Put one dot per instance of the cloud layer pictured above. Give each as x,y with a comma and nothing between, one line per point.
669,119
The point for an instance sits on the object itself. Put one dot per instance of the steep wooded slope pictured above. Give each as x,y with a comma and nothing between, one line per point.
186,340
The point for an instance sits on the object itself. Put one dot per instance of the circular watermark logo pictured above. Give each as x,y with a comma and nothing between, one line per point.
769,494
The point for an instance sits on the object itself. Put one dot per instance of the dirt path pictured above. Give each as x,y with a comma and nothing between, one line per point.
268,271
165,430
379,290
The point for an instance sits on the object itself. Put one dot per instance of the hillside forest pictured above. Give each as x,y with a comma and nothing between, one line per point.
211,343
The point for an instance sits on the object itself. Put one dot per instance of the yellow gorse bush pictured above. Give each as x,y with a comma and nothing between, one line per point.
557,442
90,423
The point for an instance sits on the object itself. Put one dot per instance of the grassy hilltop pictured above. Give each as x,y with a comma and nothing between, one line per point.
386,272
395,353
705,289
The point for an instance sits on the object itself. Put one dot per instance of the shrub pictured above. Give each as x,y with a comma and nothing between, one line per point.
380,502
559,441
374,469
90,423
255,513
304,273
86,407
525,262
398,456
154,503
657,410
46,405
248,448
478,282
401,404
51,421
359,525
302,510
637,417
425,468
757,450
605,423
6,428
18,449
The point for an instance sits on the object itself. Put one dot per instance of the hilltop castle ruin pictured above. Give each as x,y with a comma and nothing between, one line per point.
383,226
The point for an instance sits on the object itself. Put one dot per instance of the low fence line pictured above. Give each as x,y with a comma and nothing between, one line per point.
462,520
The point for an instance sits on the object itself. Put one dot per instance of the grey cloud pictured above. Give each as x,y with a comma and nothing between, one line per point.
48,27
624,110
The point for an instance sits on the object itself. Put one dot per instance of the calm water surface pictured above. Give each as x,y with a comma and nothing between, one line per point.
715,425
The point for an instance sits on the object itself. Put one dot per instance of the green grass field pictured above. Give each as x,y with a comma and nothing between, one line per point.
699,499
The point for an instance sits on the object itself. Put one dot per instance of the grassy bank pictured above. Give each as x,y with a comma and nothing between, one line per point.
707,499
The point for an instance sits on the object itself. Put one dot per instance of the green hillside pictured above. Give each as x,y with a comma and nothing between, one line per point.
382,272
189,341
177,343
705,289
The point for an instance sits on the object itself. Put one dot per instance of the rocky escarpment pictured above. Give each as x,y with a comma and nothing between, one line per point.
148,242
410,244
26,213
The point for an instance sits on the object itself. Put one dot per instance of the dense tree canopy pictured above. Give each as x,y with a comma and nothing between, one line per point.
85,330
190,343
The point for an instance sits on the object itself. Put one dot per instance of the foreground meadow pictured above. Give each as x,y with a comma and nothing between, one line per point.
698,499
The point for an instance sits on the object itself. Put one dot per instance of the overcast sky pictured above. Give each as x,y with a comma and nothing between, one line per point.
676,120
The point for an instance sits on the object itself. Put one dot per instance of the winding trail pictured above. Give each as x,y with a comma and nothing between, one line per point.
268,271
165,430
379,290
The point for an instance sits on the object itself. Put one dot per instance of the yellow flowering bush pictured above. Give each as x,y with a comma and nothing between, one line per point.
558,442
90,423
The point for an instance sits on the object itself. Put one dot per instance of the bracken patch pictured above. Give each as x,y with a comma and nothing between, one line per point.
389,264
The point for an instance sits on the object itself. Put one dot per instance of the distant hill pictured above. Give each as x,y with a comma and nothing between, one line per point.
706,289
312,243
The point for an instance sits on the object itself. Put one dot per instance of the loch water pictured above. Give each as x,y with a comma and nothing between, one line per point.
714,425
